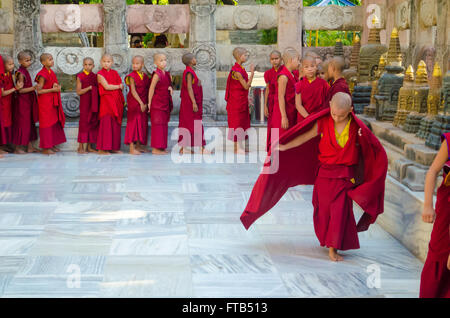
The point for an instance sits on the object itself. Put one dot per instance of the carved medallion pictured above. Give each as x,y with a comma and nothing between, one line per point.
428,12
332,17
290,4
159,21
68,19
205,55
121,62
246,17
70,61
71,104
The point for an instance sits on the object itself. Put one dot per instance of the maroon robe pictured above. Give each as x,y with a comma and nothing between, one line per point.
435,278
340,85
312,94
238,112
270,78
51,114
293,169
110,112
6,104
89,105
189,120
137,120
160,109
25,113
289,101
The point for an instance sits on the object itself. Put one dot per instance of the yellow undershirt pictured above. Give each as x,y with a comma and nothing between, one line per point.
342,138
86,72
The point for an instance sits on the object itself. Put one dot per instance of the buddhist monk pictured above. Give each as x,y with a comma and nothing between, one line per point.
137,100
270,77
322,70
160,105
285,110
338,83
8,91
236,96
435,278
111,108
191,108
311,90
87,89
351,165
25,110
51,114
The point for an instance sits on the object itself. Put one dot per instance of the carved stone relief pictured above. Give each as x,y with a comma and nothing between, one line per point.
68,18
205,55
403,15
70,60
246,17
428,12
71,104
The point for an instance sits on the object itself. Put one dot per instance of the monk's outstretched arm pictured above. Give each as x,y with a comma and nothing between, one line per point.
428,213
151,90
21,81
301,139
82,91
266,97
299,106
282,83
40,90
189,79
102,81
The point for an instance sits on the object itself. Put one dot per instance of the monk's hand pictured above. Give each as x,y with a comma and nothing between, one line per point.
89,87
170,90
284,123
448,262
266,111
252,68
195,107
143,107
359,132
428,214
121,86
19,85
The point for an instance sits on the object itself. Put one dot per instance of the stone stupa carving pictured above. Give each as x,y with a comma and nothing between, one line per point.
405,97
370,110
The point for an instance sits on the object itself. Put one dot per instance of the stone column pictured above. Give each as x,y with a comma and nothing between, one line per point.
290,24
202,43
115,34
27,31
442,34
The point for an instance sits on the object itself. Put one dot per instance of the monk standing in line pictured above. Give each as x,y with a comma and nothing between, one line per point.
111,108
51,114
236,96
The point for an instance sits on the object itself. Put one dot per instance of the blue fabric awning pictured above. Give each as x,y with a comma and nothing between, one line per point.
322,3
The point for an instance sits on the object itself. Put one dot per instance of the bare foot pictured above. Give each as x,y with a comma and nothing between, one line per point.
55,149
19,151
334,256
116,151
156,151
239,151
134,152
32,149
2,152
205,151
48,152
183,151
90,149
1,156
143,149
103,152
81,151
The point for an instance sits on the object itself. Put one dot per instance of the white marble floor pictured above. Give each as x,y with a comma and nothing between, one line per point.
122,226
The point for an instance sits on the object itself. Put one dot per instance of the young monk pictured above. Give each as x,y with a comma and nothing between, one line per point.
137,99
160,105
111,108
310,90
191,108
25,111
87,89
8,90
51,114
435,278
270,77
285,110
322,71
236,96
338,83
351,165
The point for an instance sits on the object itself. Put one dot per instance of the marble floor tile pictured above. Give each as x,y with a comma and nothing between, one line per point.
231,264
61,265
11,264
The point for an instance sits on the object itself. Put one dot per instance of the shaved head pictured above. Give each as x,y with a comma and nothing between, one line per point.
7,58
88,59
312,54
45,56
238,52
275,52
338,63
309,59
342,101
187,58
138,57
289,54
158,56
23,55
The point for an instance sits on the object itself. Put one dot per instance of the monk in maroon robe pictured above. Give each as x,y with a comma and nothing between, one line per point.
270,77
160,104
137,100
191,133
236,96
87,89
25,108
435,278
51,114
339,84
111,108
339,174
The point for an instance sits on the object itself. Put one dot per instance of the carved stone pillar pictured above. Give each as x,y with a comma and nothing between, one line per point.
290,24
116,34
202,43
27,31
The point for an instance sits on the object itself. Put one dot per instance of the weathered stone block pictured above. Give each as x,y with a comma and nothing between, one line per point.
420,153
398,168
415,177
71,18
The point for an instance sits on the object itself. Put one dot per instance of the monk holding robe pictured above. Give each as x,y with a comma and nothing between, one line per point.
111,108
285,108
351,165
51,114
25,109
270,77
160,105
8,91
236,96
435,278
191,133
137,100
87,89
